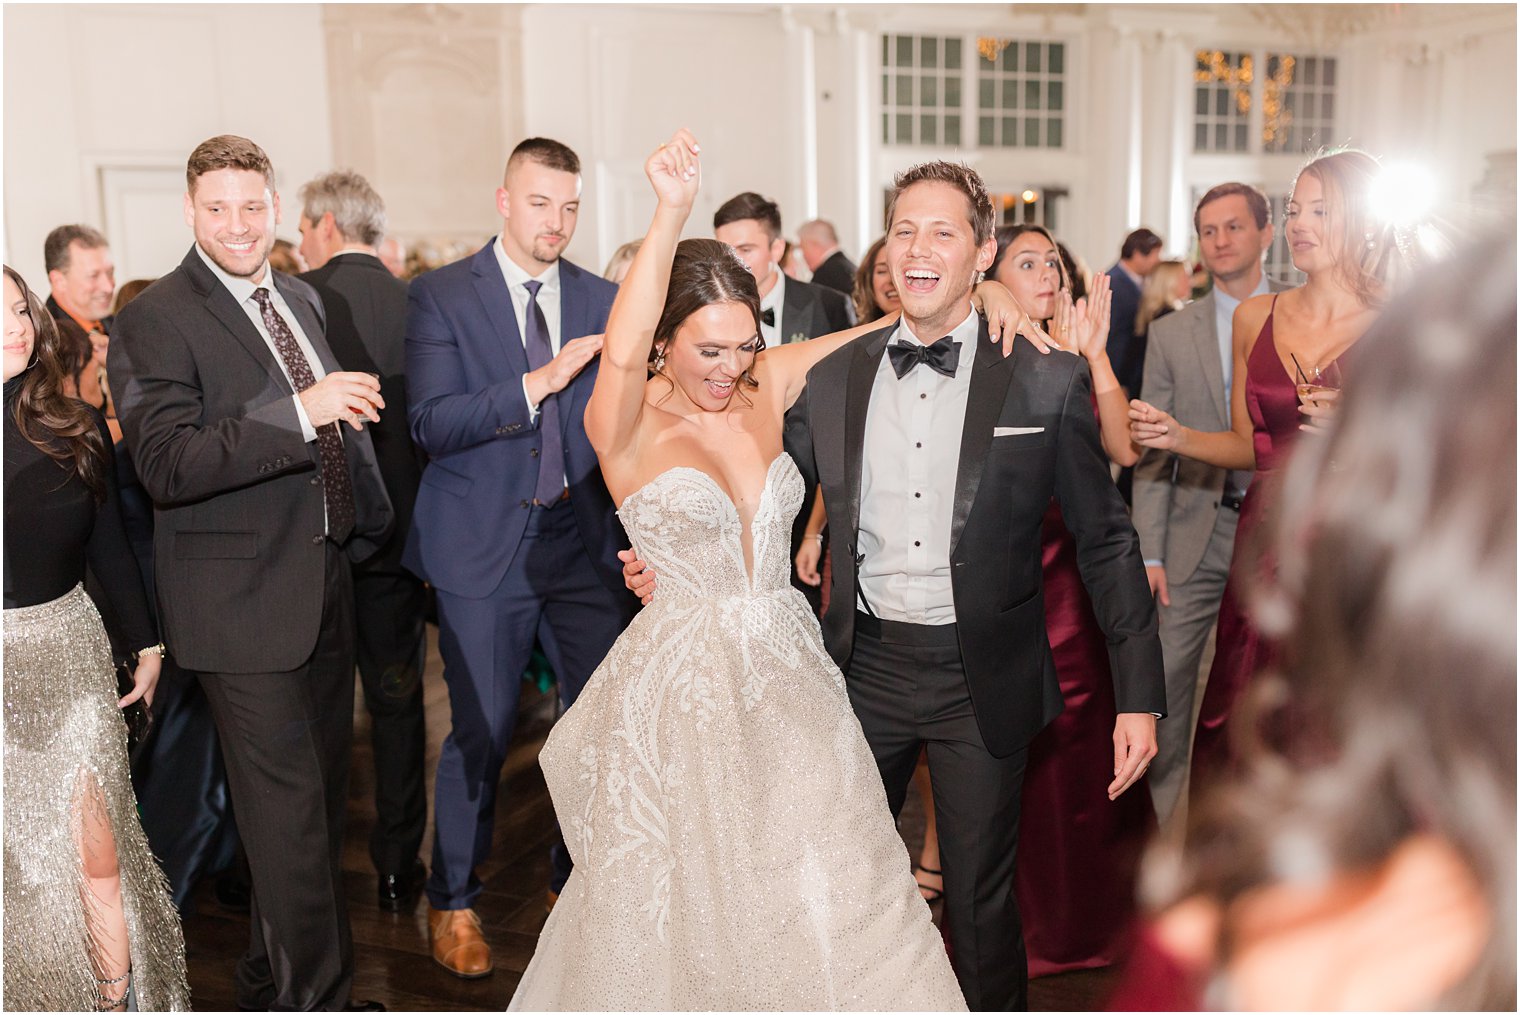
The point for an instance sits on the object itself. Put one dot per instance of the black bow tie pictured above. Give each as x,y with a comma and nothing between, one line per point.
768,315
940,357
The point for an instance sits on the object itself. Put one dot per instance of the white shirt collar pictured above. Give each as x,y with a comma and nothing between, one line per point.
516,276
240,288
965,332
773,300
1226,300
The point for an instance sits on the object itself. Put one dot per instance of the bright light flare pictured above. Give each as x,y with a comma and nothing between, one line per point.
1403,194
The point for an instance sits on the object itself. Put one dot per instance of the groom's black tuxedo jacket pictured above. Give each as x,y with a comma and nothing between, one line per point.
1004,485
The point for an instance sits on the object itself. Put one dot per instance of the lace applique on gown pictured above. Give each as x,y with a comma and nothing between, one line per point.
732,843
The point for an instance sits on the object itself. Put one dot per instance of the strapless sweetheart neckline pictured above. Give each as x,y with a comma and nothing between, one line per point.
746,534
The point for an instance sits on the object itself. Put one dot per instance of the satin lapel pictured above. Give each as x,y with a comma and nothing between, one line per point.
984,403
225,309
497,302
1208,353
857,403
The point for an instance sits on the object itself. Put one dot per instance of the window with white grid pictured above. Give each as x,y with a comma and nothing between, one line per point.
1021,94
1298,103
921,79
1222,101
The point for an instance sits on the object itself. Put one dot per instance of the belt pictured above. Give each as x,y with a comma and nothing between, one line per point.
1232,499
558,500
899,633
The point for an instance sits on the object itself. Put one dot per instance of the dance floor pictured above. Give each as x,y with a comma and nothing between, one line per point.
392,963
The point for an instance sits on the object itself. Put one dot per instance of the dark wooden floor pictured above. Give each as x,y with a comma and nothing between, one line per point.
391,957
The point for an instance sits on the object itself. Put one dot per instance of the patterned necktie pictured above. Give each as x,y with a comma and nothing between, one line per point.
337,488
941,357
551,462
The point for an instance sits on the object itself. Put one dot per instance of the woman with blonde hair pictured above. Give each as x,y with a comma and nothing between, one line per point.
1282,342
621,261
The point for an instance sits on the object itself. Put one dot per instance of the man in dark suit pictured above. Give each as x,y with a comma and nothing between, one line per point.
790,311
513,525
820,249
1186,511
342,218
232,403
1138,257
936,484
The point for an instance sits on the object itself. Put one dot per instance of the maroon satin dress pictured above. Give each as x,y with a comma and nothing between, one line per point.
1240,650
1078,851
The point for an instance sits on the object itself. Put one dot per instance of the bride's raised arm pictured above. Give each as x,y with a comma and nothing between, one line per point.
617,400
788,365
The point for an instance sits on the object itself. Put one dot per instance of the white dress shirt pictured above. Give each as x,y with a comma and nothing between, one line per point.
242,290
907,483
773,300
1224,333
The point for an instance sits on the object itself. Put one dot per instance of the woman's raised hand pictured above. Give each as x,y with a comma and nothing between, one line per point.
675,170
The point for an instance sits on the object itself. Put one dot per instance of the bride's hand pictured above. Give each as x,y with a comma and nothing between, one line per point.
1006,320
675,170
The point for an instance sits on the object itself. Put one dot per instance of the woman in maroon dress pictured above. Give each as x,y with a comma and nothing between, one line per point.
1078,847
1281,342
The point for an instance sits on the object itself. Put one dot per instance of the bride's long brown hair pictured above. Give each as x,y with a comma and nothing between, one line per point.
61,427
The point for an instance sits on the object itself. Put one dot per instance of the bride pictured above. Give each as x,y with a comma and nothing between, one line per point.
732,843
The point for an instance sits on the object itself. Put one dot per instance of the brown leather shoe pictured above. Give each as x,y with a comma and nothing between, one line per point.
458,945
550,899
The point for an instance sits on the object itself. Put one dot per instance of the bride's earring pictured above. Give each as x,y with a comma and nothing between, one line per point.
659,360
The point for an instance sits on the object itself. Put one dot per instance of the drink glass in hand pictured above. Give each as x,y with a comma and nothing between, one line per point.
356,415
1316,379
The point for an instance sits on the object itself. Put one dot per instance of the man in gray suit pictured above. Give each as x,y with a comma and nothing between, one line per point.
1186,511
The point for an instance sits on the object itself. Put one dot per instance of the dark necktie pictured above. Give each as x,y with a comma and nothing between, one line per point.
337,488
941,357
551,461
768,315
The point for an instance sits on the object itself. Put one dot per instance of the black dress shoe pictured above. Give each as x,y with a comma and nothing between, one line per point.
397,891
364,1006
232,892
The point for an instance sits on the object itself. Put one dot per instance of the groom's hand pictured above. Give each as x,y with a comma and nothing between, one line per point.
1134,747
638,577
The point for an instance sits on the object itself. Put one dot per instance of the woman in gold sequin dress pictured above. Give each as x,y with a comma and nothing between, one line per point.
88,921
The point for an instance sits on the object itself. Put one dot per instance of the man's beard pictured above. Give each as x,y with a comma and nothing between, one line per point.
545,254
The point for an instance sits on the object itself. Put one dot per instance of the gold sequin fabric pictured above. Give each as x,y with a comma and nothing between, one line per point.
63,732
732,843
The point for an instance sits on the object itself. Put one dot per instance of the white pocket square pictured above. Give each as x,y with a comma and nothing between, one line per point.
1014,431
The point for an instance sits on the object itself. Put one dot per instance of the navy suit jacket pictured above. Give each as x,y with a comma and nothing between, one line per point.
465,363
1121,324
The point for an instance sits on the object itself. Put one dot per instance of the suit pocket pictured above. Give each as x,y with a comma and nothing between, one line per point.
449,482
216,545
1029,438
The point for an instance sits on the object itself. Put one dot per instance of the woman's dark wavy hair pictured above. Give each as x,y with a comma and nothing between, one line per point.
61,427
864,290
1007,234
1392,710
705,272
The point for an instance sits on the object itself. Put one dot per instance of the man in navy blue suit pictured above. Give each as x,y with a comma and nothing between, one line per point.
513,525
1137,258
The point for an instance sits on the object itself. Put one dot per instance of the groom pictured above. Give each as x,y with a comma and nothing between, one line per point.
937,466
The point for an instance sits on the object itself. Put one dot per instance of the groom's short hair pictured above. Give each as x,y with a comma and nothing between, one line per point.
960,176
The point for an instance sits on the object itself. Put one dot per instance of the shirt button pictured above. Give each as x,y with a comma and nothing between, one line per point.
316,540
923,394
532,452
917,494
918,444
917,543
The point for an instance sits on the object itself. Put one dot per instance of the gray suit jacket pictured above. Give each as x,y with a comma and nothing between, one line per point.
1176,499
238,539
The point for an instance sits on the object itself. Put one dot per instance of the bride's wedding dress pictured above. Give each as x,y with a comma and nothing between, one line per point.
733,848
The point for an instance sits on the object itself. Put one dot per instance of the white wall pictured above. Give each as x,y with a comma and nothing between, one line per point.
428,99
104,103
